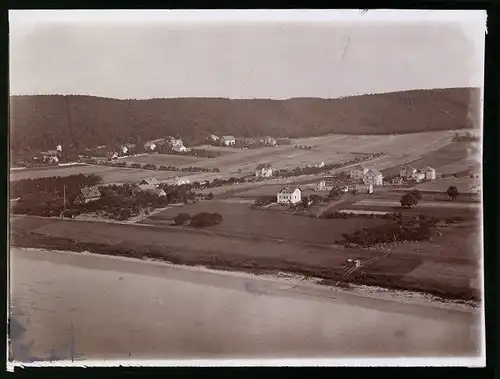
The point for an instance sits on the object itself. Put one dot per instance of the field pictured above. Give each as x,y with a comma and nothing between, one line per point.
109,174
463,185
240,219
448,159
164,160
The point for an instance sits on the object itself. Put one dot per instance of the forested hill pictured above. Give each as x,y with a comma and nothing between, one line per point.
40,122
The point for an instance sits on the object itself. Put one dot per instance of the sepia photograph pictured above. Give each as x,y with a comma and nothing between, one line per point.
246,188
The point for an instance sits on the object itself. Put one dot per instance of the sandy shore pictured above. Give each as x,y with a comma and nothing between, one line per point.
90,306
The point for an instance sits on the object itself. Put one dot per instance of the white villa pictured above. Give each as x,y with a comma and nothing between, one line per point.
228,140
264,171
289,195
430,173
373,177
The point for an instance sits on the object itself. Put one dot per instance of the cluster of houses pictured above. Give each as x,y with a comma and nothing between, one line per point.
231,141
175,144
50,156
411,173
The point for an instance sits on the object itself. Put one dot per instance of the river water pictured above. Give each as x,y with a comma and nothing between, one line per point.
77,306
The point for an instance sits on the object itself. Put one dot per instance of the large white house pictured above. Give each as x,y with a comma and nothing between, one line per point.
289,195
430,173
373,177
358,172
264,171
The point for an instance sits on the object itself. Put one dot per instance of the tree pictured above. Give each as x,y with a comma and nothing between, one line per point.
335,193
204,219
452,192
305,201
416,193
408,200
182,219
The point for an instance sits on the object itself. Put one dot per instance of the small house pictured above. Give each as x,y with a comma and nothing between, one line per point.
59,148
373,177
228,140
358,172
418,176
322,164
87,195
270,141
430,173
263,171
178,181
149,146
289,195
363,188
150,181
407,172
180,149
213,137
398,180
326,185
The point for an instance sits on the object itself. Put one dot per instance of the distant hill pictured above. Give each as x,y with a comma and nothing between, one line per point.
40,122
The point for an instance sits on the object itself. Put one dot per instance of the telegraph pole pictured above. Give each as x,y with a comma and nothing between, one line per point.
64,192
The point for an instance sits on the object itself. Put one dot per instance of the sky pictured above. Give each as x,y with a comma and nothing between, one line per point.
243,54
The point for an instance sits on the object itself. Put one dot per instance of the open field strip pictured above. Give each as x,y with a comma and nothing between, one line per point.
422,204
165,160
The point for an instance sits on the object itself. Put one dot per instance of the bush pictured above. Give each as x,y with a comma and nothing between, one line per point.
205,219
182,219
135,165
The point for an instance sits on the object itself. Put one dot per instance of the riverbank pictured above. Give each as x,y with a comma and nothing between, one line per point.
85,307
184,255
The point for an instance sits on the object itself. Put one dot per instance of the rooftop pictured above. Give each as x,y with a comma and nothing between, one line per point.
90,192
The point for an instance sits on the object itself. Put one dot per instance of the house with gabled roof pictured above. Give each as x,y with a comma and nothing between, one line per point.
87,195
264,171
289,195
373,177
357,172
150,181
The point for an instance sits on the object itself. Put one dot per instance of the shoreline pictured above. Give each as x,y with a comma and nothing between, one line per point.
294,281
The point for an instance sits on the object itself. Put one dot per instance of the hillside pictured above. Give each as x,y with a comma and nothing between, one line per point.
40,122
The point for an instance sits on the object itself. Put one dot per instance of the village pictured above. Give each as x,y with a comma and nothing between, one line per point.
352,195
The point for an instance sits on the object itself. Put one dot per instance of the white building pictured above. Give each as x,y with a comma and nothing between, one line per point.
178,181
418,176
373,177
59,148
150,146
358,172
289,195
213,137
270,141
264,171
430,173
180,149
228,140
124,149
322,164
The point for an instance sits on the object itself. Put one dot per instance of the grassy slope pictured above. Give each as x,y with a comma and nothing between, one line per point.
42,121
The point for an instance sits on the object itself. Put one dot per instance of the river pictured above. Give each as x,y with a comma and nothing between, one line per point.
88,307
